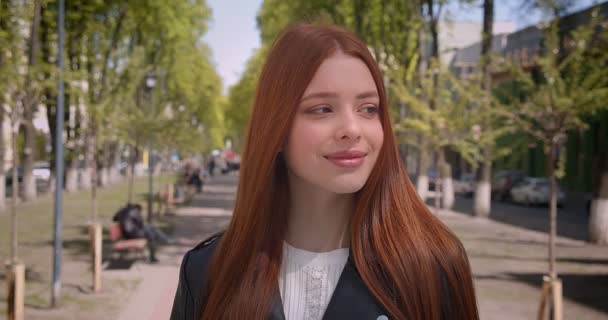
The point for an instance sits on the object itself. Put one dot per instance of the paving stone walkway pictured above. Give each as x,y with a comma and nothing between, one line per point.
508,263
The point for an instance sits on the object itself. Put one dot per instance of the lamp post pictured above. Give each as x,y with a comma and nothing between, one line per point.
150,84
58,207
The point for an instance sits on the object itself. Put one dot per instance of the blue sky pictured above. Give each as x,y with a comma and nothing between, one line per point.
233,34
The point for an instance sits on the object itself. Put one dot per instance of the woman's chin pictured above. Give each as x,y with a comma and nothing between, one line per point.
346,187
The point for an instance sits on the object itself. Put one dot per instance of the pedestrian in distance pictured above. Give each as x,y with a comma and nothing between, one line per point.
326,224
211,165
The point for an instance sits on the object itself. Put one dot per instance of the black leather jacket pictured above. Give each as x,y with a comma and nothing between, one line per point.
350,300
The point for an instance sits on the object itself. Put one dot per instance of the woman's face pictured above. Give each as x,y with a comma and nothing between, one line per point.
336,133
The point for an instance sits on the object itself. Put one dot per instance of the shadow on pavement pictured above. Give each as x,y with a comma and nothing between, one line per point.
570,222
587,289
120,264
516,241
539,259
585,261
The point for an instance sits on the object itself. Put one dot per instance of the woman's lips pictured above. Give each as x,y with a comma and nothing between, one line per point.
347,159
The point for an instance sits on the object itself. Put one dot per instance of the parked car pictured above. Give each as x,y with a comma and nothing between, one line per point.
465,185
42,171
503,181
533,191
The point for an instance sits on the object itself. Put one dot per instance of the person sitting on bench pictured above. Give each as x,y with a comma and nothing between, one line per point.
132,227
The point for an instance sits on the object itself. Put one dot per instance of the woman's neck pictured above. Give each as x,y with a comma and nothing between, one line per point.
318,220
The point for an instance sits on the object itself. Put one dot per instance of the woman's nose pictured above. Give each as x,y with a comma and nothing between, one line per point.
349,127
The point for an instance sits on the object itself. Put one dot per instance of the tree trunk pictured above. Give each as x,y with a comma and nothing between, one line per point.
29,181
94,176
134,157
424,159
71,176
114,171
486,36
483,189
104,172
434,64
104,176
52,182
30,103
86,178
2,189
89,158
15,186
552,210
422,180
49,95
434,17
598,220
447,185
358,11
4,26
2,157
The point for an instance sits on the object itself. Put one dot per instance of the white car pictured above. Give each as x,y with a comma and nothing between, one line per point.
465,185
42,171
533,191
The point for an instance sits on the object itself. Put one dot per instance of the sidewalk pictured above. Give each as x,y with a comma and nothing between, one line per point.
508,263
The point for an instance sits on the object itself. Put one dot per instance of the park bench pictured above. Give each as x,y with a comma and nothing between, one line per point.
125,245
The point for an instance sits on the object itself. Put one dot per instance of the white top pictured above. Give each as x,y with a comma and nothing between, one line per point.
307,281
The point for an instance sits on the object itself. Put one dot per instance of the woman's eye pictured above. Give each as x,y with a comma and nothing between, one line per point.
321,110
370,109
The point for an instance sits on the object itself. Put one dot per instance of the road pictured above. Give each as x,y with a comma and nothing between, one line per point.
572,219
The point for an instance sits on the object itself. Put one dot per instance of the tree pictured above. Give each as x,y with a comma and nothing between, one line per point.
20,76
241,95
430,13
164,38
598,221
567,86
7,70
12,80
483,189
30,101
449,124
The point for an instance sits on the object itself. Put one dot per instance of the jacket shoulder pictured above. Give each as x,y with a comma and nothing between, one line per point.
198,258
208,242
190,293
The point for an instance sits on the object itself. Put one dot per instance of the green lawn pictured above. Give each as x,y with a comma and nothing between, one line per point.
35,219
35,236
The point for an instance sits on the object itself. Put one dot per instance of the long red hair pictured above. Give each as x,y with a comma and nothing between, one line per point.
404,254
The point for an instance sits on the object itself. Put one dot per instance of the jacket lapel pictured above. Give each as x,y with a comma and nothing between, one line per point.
276,307
352,299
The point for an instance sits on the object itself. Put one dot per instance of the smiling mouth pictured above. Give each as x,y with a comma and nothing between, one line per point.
353,160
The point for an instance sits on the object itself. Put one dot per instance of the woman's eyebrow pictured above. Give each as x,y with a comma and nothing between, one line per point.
363,95
319,95
367,94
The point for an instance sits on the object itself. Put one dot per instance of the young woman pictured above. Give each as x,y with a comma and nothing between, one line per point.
326,223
